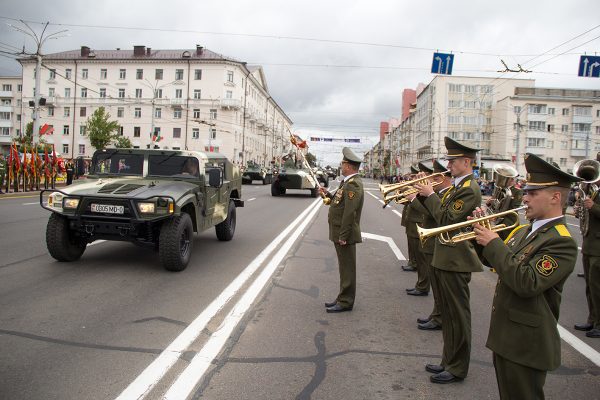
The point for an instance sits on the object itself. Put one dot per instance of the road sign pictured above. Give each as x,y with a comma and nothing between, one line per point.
589,66
442,63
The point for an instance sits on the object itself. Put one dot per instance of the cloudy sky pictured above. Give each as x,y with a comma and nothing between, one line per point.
337,67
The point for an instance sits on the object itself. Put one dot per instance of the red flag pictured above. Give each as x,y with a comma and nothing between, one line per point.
25,171
46,129
46,161
17,161
298,142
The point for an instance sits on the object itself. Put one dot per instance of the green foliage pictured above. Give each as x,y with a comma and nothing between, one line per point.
100,130
122,142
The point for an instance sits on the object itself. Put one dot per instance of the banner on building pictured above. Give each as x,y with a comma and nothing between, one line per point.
333,139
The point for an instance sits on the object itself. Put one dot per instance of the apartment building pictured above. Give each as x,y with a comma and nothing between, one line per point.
559,125
10,110
193,99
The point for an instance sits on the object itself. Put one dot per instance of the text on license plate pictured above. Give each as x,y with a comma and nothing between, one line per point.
107,208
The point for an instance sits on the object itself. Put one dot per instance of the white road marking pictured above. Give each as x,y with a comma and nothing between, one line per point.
190,377
29,204
254,198
579,345
397,213
389,241
375,197
145,382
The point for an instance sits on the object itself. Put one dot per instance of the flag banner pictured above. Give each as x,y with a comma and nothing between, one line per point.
332,139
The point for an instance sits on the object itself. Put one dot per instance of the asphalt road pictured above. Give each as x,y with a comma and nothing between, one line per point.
245,320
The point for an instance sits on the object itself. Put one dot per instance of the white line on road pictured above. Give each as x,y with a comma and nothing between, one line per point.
579,345
29,204
389,241
146,381
190,377
254,198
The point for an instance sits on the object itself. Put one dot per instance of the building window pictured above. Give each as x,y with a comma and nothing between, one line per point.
121,93
197,74
196,113
136,131
177,113
158,93
564,128
581,111
103,73
549,144
230,76
536,142
138,93
6,88
213,113
176,133
195,133
550,128
197,93
158,74
213,133
121,130
67,93
597,111
158,113
452,87
50,92
52,74
229,94
68,73
598,130
565,111
83,92
139,73
178,74
82,130
137,113
537,109
122,73
537,125
82,111
550,110
564,145
51,111
585,128
84,73
120,112
81,149
67,112
102,93
178,93
65,129
65,148
563,162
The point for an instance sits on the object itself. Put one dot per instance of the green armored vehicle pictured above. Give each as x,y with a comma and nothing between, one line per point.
254,172
294,177
152,198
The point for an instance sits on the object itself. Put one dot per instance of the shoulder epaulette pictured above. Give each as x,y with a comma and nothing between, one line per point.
562,230
467,183
512,233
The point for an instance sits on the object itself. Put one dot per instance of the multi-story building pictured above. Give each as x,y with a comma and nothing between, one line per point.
193,99
559,125
10,110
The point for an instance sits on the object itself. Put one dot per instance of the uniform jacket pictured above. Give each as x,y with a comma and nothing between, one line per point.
344,212
591,241
531,274
414,216
428,222
455,206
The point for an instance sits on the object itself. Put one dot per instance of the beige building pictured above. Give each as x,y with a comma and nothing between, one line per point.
194,99
10,110
559,125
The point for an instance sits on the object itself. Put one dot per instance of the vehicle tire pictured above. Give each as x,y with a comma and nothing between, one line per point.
62,244
264,180
226,229
275,189
176,242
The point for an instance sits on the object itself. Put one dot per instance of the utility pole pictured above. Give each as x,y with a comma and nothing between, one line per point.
518,149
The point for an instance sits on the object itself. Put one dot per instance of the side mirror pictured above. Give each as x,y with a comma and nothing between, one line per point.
215,177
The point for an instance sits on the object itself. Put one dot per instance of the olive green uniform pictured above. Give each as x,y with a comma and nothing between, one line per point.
509,203
453,264
344,224
591,263
415,216
2,173
523,334
411,257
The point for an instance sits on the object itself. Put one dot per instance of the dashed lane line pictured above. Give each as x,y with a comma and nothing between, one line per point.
579,345
389,241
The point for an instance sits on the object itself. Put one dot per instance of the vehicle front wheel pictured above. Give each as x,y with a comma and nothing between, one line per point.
226,229
62,244
176,242
275,190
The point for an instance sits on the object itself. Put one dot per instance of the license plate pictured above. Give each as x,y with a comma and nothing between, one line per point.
107,208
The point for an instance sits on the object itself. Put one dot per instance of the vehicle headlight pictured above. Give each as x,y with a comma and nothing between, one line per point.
70,203
146,208
55,200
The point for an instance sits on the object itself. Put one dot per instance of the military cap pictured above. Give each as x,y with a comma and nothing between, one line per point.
414,170
457,150
542,174
425,168
439,167
350,157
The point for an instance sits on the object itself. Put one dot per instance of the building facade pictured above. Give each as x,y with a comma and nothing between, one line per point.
192,99
10,110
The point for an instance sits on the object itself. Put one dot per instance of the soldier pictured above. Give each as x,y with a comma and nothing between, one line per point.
454,263
2,172
532,268
70,169
344,229
512,199
411,231
590,250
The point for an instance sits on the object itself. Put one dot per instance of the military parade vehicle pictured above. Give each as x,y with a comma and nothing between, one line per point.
254,172
322,176
293,176
152,198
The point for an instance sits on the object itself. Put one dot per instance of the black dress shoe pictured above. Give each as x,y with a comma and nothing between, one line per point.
410,289
423,320
337,308
417,292
434,368
408,268
333,303
444,377
583,327
430,326
595,333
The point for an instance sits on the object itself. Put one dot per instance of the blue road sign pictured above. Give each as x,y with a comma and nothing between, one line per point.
442,63
589,66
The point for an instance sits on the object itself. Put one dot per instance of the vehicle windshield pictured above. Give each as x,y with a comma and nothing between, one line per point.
115,163
174,166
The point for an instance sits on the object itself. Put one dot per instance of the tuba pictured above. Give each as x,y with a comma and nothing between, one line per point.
503,173
589,171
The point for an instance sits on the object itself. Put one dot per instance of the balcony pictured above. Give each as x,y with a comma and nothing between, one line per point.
582,119
578,152
537,117
6,93
6,109
50,99
233,104
5,139
177,102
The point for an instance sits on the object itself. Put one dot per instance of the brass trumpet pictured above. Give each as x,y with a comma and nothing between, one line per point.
443,232
401,190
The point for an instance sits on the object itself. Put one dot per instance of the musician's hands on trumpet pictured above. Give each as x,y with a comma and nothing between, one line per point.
424,187
483,235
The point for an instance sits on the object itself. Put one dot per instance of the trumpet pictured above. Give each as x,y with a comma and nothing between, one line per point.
401,190
443,232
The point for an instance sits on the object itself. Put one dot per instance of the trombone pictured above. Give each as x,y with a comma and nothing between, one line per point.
443,232
399,191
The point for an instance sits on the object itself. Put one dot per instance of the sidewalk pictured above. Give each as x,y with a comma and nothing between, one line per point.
30,192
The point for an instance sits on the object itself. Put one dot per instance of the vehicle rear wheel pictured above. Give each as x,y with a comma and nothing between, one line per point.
62,244
176,242
226,229
275,190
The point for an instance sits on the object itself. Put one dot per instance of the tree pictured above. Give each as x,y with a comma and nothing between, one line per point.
123,142
100,129
311,159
